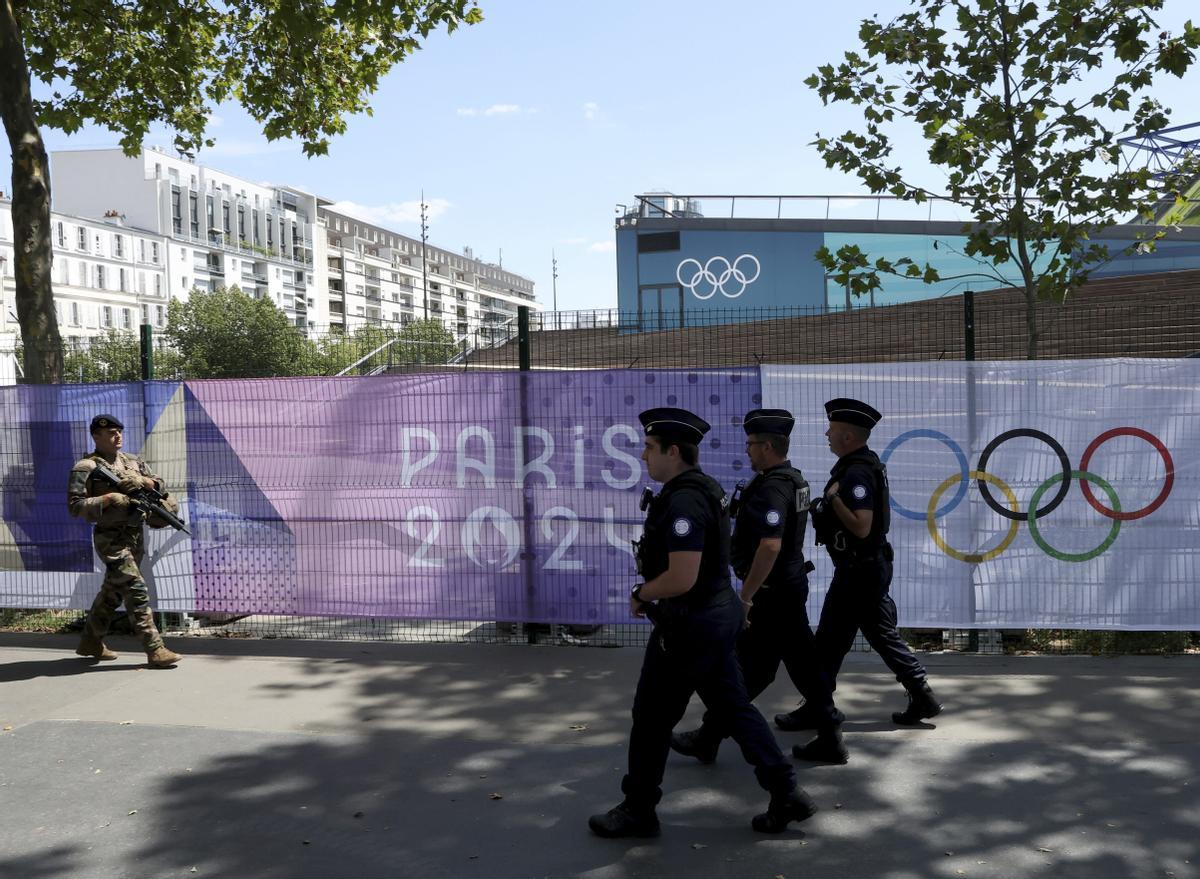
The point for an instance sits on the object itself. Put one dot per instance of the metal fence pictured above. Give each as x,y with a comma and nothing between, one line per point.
1155,318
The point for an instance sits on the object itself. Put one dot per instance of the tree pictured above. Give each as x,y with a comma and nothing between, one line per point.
423,341
115,356
297,68
227,334
1018,111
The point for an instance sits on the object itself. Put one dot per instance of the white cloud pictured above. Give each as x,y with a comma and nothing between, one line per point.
579,240
393,213
498,109
467,111
591,110
602,247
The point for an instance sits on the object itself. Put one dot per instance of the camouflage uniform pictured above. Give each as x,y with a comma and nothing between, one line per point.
120,544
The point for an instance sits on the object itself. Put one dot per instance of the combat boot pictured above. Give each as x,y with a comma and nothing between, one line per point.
625,820
921,704
806,717
794,806
161,657
827,747
697,743
94,648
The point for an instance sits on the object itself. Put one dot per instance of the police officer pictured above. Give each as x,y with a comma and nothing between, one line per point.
118,540
771,515
852,521
684,557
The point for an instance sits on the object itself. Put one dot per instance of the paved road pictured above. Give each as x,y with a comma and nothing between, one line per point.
300,758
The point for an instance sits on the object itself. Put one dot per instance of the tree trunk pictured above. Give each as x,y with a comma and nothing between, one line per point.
30,209
1031,350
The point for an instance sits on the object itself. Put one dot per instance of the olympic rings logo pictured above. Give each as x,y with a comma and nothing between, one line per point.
1036,510
704,277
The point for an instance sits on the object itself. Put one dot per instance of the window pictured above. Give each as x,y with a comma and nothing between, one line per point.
241,224
145,314
74,314
61,235
254,222
225,217
99,277
184,283
141,250
119,245
82,238
126,319
176,211
154,252
158,285
122,283
106,316
141,276
83,276
194,213
158,315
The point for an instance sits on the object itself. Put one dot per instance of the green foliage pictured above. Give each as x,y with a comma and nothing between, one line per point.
1022,105
297,68
227,334
420,342
114,356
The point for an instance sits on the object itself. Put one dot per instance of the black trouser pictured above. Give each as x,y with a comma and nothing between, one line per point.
695,654
779,632
858,601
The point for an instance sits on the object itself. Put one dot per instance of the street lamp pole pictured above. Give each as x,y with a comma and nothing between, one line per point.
424,269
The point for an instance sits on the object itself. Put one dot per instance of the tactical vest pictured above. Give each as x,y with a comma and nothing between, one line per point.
790,566
829,530
651,551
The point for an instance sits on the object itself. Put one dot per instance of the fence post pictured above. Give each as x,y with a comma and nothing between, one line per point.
969,324
523,337
147,357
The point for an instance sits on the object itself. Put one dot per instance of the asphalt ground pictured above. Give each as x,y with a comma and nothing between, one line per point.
285,758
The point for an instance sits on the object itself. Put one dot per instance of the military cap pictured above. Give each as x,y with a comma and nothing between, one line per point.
102,421
852,412
674,425
776,421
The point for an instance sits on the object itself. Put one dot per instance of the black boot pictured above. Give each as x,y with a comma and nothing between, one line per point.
795,806
921,704
827,747
698,743
806,717
624,820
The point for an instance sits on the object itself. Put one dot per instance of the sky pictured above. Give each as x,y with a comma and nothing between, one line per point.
526,131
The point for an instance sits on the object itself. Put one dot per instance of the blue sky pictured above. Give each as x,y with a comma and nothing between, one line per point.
527,130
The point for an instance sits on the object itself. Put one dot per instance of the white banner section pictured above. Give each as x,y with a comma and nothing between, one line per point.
1049,494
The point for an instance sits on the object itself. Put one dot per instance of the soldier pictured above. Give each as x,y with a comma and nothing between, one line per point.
118,540
852,521
771,516
684,557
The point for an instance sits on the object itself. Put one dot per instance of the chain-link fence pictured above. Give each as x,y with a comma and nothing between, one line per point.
1145,317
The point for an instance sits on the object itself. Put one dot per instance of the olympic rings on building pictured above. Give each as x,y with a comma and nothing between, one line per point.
704,275
1013,512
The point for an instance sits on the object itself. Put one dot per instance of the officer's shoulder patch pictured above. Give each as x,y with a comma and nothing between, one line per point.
773,517
682,527
859,491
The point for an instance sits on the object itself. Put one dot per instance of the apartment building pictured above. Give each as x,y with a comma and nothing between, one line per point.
106,275
378,276
220,229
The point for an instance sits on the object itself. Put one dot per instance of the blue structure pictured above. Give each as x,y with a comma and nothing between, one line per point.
676,266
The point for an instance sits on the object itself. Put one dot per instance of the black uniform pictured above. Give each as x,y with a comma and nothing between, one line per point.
858,598
691,649
775,505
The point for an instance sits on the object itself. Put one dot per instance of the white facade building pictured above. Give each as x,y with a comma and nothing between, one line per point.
221,230
106,275
374,277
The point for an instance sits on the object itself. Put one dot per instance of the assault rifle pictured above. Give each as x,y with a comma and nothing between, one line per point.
148,500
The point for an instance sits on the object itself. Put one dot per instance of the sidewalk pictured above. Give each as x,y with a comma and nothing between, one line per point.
299,758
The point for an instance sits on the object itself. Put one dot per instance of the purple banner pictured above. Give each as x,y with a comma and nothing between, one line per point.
497,496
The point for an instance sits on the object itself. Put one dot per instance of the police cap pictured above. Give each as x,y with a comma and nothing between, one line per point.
100,422
852,412
775,421
674,425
